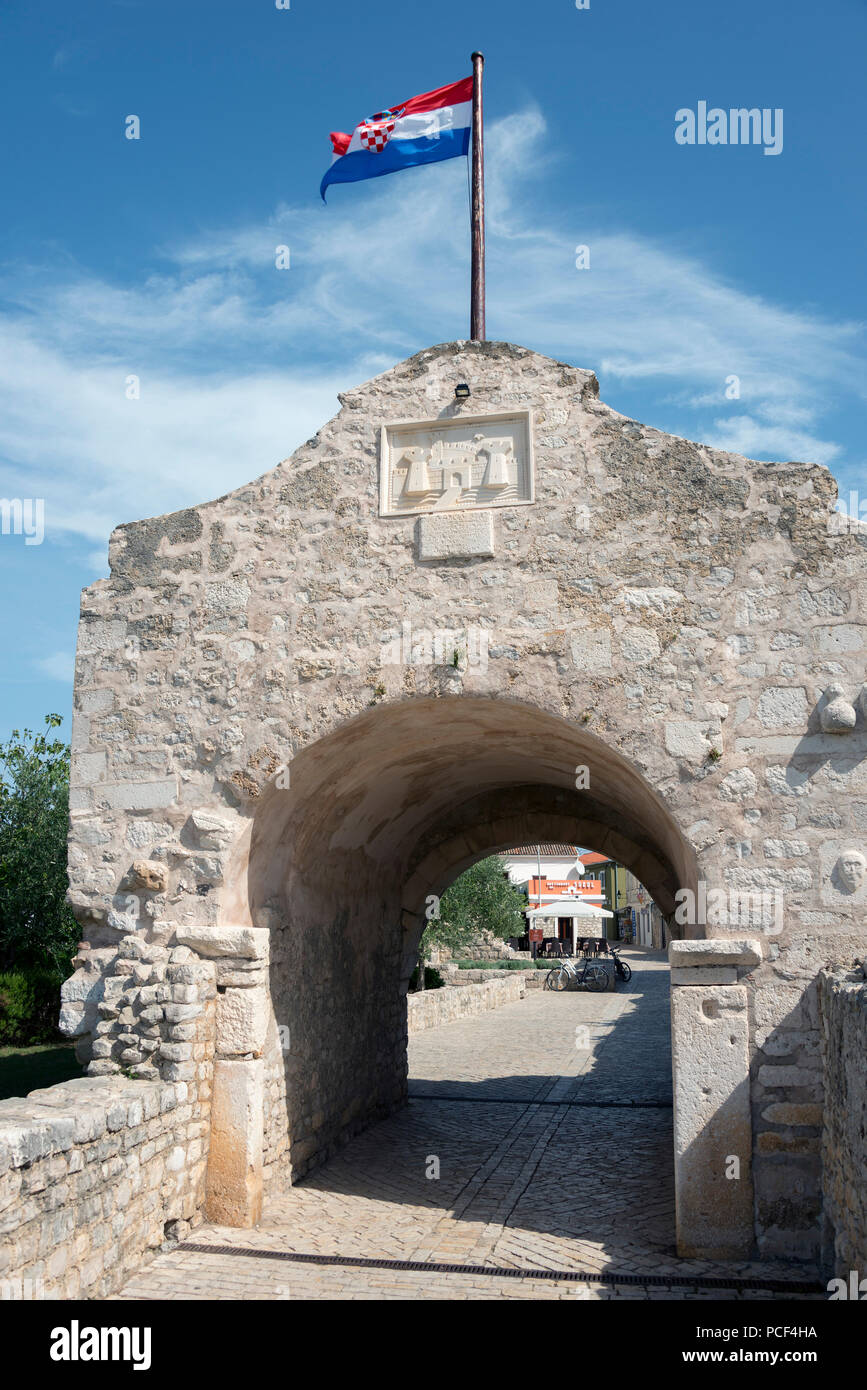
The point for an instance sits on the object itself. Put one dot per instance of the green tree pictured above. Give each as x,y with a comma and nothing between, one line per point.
37,927
481,898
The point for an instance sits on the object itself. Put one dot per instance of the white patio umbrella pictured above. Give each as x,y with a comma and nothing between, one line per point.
568,907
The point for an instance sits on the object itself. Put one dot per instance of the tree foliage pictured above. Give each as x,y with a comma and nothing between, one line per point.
481,898
37,927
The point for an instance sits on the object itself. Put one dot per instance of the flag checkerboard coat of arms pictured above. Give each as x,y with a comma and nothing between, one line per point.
422,130
376,132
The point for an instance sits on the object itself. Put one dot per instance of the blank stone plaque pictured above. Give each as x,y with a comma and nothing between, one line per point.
450,536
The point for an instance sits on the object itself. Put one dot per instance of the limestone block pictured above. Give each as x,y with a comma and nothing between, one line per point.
100,635
785,849
839,638
211,831
73,1020
148,875
716,951
95,701
81,986
138,796
141,834
705,975
251,943
591,650
639,645
781,1003
455,536
712,1124
227,596
773,1077
686,738
791,1113
234,1195
738,785
655,600
242,1020
241,974
783,706
88,768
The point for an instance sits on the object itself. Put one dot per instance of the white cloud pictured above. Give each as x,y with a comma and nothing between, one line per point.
98,459
59,666
239,361
743,433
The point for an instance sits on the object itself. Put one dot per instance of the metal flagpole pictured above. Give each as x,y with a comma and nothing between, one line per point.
477,217
539,886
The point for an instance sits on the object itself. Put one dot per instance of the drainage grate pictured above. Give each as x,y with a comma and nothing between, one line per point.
584,1104
572,1276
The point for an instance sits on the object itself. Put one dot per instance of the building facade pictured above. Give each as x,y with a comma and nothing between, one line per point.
551,873
646,922
612,877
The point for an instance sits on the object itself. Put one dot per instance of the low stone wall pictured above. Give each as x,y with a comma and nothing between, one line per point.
94,1174
485,947
461,978
843,1014
533,977
434,1007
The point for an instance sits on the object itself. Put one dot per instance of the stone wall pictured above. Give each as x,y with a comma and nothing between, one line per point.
276,1172
786,1096
843,1011
264,741
486,946
95,1174
457,976
434,1007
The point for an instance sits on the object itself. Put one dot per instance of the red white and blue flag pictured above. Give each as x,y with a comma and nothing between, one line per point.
423,130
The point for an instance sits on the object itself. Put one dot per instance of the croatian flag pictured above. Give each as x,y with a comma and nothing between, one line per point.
422,130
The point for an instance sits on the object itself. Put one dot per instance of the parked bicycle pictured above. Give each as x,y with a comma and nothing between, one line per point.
622,970
588,973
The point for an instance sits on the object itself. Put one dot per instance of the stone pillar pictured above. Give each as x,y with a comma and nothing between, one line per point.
235,1160
234,1190
712,1118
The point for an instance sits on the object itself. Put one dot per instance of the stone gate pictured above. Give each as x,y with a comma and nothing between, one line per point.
443,627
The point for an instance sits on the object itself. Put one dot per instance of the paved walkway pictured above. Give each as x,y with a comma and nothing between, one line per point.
537,1138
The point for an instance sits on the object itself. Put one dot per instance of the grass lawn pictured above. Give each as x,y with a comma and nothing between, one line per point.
24,1069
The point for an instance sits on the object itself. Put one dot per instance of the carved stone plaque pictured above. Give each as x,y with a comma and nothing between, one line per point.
456,465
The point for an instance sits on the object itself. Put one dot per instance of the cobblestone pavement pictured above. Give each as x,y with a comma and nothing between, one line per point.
548,1122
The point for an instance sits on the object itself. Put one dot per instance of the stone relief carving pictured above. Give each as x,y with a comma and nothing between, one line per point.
456,465
837,716
844,874
851,870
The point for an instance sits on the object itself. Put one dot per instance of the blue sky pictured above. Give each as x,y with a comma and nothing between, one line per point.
156,257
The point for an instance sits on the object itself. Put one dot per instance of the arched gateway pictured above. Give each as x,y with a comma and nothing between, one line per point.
447,626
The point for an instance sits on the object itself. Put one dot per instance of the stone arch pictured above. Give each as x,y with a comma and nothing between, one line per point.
415,791
384,810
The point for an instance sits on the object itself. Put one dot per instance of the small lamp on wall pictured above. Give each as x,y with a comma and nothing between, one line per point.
462,391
